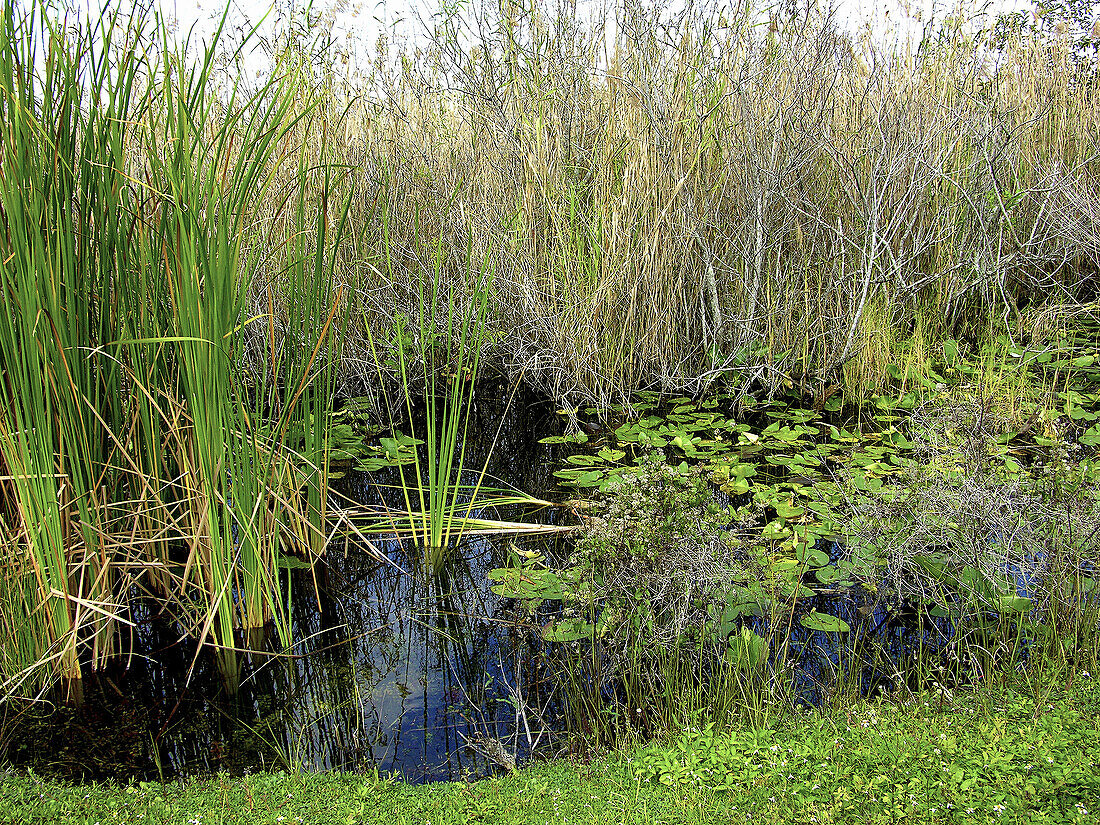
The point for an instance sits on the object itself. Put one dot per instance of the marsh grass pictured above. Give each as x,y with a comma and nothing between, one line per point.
449,342
445,339
679,201
135,452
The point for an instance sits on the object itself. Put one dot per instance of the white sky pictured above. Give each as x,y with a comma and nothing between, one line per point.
364,19
358,23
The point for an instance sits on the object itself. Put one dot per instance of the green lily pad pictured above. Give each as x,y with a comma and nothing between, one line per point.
567,630
810,556
828,574
576,438
293,563
824,622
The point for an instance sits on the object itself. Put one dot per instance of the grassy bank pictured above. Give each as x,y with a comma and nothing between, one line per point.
1018,754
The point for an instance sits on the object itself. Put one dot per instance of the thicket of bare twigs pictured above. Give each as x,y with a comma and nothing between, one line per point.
709,197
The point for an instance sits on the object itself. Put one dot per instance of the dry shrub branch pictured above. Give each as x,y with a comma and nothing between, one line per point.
676,200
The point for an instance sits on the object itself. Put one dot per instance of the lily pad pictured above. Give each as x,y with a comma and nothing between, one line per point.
567,630
293,563
824,622
575,438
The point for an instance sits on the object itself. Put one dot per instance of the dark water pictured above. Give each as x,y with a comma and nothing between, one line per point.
894,642
390,669
428,676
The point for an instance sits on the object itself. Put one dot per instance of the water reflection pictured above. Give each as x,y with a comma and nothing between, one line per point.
396,670
390,669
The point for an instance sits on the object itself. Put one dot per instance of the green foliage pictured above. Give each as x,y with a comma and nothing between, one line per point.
940,500
138,454
993,757
443,344
875,762
652,510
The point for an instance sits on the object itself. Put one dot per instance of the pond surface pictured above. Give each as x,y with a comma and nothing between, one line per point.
434,677
437,677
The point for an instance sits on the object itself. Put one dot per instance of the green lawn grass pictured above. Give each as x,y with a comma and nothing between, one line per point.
1004,754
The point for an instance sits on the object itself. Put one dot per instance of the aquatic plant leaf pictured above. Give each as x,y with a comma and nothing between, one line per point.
781,460
341,432
932,564
1090,437
612,478
293,563
736,609
895,437
824,622
567,630
575,438
406,440
747,651
371,464
864,483
685,442
811,556
743,470
774,530
628,434
795,590
583,460
581,477
737,487
526,583
828,574
1014,604
391,447
787,510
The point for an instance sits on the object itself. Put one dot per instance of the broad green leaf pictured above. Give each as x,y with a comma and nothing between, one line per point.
824,622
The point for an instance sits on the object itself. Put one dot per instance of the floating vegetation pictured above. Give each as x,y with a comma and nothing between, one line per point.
933,503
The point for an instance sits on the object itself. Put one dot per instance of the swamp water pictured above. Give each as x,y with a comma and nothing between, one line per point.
394,672
391,669
433,677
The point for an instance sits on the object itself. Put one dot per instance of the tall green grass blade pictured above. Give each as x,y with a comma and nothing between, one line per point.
134,446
